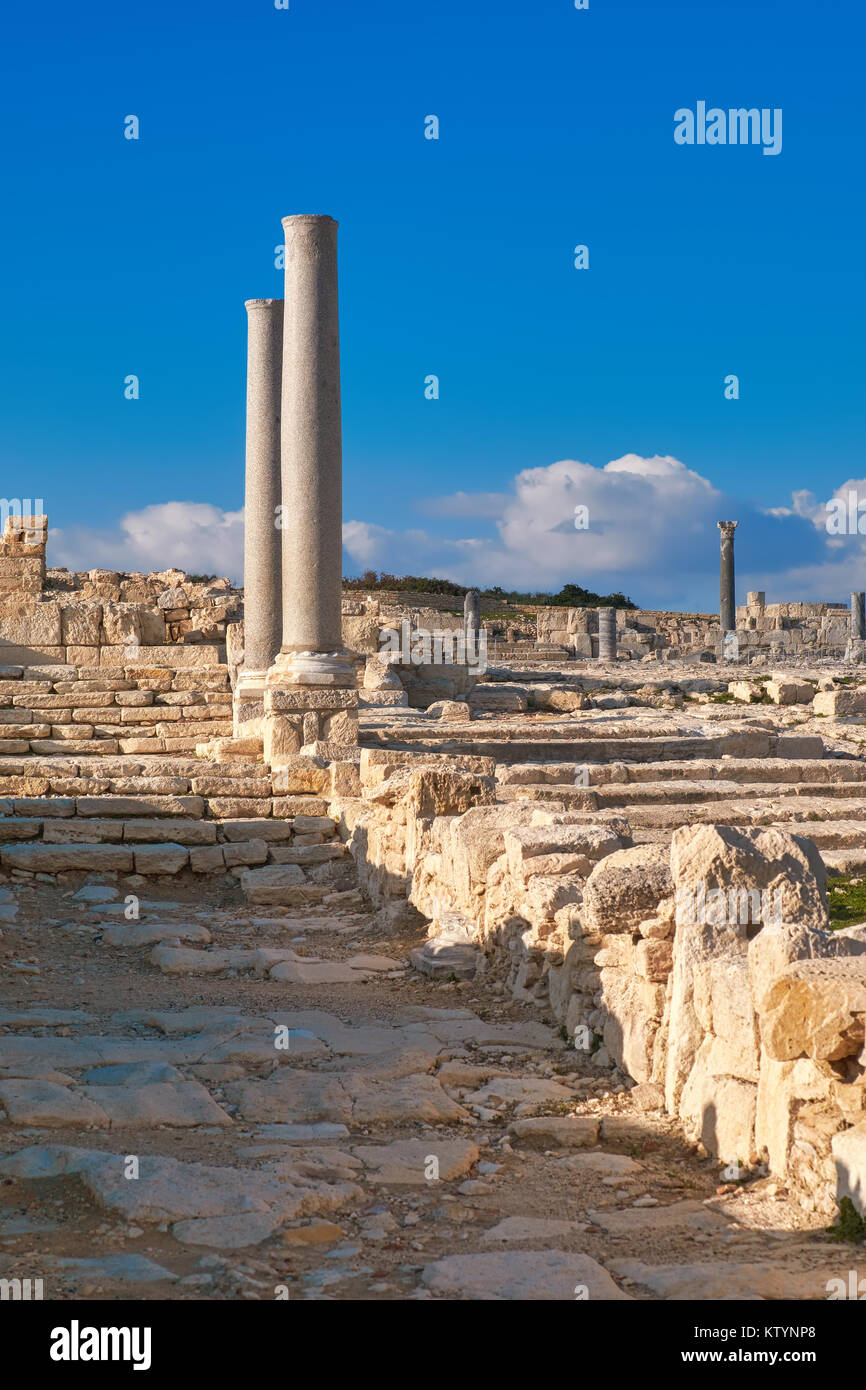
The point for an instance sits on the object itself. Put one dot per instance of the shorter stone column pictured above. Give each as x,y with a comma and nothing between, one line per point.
607,634
471,612
858,616
471,623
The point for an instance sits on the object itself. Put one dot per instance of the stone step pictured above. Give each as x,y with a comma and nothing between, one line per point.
831,834
628,794
844,861
799,813
651,750
779,770
691,793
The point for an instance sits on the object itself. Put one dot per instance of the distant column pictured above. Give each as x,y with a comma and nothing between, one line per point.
607,634
262,581
471,614
858,616
727,602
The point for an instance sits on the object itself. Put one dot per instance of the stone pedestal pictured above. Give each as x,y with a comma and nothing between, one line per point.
304,717
262,493
727,607
311,699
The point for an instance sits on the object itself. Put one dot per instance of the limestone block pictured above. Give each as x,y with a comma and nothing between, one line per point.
836,703
160,858
784,691
782,1089
339,728
499,698
777,946
275,884
849,1156
344,779
30,623
718,857
300,698
625,888
53,859
437,792
720,1111
245,852
307,854
121,624
300,774
817,1009
156,830
74,831
173,656
287,807
207,860
238,807
379,675
633,1011
80,624
449,710
258,829
584,845
140,806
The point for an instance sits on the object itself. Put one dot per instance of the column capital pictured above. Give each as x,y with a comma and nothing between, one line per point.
727,528
261,303
311,217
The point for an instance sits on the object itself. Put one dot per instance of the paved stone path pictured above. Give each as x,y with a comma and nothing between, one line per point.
219,1101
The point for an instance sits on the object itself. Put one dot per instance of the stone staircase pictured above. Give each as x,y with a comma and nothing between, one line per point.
136,772
47,710
821,798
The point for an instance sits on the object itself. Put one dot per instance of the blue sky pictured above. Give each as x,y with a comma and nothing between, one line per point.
556,128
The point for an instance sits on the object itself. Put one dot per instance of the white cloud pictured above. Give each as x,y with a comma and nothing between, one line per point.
194,536
652,533
642,513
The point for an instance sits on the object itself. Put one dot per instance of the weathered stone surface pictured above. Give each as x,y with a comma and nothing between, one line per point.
274,884
52,859
132,934
625,887
520,1230
406,1162
720,1280
520,1276
556,1132
347,1098
160,859
817,1009
241,1207
724,857
183,832
180,1104
44,1104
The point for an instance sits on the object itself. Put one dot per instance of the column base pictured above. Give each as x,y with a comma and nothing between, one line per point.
310,706
248,704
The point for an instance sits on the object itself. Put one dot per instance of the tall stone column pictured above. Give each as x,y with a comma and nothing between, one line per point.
607,634
858,616
312,697
262,492
727,602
